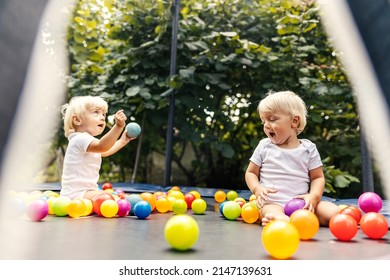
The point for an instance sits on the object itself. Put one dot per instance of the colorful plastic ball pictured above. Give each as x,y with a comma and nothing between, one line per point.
189,198
199,206
88,207
76,208
60,206
293,205
181,232
374,225
133,199
221,207
163,205
252,197
176,194
133,129
109,208
370,202
231,195
196,193
220,196
149,197
124,207
306,222
37,210
249,213
98,200
142,210
231,210
280,239
179,206
344,227
107,186
352,211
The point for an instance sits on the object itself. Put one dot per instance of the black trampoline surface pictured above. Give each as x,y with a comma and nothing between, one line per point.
130,238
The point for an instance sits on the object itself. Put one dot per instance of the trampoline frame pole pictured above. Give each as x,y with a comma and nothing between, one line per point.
169,137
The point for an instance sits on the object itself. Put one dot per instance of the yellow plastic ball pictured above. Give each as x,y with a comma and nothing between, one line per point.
109,208
163,205
88,207
280,239
179,206
231,195
76,208
195,193
181,232
199,206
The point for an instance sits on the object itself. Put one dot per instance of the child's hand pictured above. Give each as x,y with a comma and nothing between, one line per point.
262,195
120,118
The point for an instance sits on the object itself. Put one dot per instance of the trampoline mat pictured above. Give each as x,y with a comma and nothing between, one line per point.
130,238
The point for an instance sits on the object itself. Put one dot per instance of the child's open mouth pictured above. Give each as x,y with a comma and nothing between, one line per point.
272,134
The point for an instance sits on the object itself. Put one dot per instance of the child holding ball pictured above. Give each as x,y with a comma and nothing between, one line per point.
282,166
84,119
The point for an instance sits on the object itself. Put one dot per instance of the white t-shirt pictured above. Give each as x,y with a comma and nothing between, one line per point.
81,168
286,170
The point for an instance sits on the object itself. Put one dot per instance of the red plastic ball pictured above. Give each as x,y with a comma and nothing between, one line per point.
374,225
189,198
98,200
353,211
344,227
107,186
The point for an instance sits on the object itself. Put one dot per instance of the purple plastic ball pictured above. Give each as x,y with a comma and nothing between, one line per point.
124,207
370,202
37,210
293,205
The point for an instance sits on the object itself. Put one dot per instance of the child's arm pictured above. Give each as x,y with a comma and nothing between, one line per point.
105,143
317,186
119,144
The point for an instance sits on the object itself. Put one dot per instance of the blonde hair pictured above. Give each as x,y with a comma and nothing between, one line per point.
77,107
286,102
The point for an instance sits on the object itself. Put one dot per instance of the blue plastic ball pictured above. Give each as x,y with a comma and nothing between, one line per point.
142,209
133,199
133,129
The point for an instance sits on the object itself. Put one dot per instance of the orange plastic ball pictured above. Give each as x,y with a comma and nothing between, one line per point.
344,227
306,222
163,205
76,208
249,213
149,197
374,225
220,196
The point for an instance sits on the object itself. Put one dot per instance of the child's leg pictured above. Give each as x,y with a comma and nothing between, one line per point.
91,194
325,210
272,212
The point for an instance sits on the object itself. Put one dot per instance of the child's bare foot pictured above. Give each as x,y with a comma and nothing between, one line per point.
270,217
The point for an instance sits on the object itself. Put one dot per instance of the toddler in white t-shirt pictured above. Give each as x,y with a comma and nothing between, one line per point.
283,166
84,119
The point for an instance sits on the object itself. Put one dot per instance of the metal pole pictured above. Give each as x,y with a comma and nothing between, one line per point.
169,138
367,173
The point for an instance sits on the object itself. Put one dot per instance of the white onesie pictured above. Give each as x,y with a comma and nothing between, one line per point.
286,170
81,168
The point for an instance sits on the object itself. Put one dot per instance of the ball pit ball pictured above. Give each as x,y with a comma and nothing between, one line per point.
306,222
189,198
231,195
221,207
149,197
370,202
199,206
344,227
249,213
220,196
176,194
181,232
374,225
107,186
133,199
163,205
124,207
280,239
293,205
37,210
133,129
195,193
97,201
179,206
142,209
353,211
60,206
76,208
88,207
109,208
231,210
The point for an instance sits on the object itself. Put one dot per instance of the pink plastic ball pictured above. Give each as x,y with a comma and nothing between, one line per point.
124,207
370,202
37,210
